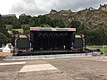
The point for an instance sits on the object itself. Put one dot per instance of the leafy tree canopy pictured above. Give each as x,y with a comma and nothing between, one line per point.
3,39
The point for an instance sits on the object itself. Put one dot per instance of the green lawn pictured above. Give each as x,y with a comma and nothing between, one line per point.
101,47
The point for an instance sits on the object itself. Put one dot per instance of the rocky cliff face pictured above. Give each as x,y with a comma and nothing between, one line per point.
91,17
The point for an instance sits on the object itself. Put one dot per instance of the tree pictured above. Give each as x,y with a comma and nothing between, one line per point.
11,20
34,21
75,24
42,20
3,39
101,32
16,23
24,19
26,28
96,36
3,27
56,23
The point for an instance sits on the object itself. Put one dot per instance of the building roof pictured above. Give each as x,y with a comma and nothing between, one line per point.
51,29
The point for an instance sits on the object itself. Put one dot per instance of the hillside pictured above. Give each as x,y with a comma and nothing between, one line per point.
90,22
91,18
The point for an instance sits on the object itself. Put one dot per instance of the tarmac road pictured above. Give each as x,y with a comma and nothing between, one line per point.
74,68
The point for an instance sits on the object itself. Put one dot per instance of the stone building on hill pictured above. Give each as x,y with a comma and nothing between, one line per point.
53,11
103,7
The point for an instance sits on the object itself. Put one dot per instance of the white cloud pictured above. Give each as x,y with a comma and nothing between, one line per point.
5,6
36,7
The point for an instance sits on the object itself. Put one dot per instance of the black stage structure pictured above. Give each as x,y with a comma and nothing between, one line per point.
52,39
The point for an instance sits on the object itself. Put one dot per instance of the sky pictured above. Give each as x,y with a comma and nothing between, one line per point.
40,7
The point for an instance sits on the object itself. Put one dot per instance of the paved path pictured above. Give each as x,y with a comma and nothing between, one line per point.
75,68
47,56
